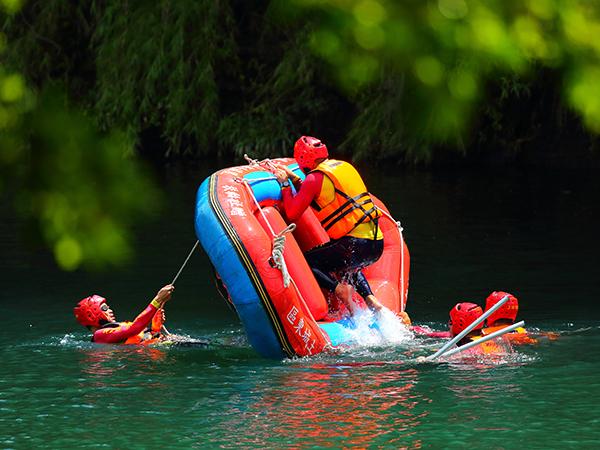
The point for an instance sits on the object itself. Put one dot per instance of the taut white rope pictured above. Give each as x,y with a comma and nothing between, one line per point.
185,262
400,229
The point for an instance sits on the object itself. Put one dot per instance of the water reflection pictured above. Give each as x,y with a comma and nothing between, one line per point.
356,404
101,363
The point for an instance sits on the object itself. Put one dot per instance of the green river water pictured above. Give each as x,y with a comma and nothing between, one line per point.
531,233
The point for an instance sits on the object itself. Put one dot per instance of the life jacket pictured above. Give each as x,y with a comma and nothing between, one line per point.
347,204
487,347
145,337
517,336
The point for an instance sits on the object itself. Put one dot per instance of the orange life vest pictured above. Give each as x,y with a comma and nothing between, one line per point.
517,336
487,347
145,337
348,204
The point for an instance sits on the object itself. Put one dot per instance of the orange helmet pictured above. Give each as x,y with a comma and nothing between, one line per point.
307,151
92,311
507,311
463,315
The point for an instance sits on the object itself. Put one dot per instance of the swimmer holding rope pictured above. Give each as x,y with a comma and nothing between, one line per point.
94,313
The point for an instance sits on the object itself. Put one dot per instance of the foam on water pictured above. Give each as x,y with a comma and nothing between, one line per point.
377,329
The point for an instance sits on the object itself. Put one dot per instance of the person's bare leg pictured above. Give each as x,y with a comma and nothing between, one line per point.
373,303
343,292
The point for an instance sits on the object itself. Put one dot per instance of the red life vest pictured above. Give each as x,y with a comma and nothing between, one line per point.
145,337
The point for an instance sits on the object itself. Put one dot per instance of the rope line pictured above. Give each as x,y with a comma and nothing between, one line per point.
275,256
277,253
185,262
400,230
278,240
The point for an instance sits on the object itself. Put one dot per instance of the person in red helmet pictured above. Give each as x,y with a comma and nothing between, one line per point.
338,196
504,316
463,315
94,313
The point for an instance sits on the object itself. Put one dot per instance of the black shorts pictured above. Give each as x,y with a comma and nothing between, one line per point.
344,257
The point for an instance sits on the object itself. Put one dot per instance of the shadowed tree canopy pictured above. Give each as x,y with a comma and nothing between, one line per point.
384,80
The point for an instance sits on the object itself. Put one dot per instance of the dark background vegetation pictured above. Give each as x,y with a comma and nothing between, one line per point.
88,87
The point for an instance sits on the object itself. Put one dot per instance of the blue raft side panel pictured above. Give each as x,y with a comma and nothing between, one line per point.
266,186
227,262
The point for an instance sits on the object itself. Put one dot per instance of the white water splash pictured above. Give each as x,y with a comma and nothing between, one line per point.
380,328
392,328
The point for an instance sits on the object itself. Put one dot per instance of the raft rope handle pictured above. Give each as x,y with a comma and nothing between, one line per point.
282,260
278,240
400,230
250,161
278,247
259,179
255,162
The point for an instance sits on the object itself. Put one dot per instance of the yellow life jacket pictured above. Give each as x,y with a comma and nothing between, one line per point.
490,330
344,204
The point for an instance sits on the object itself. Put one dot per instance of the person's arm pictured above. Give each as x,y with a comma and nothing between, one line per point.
128,329
426,331
295,205
125,330
295,179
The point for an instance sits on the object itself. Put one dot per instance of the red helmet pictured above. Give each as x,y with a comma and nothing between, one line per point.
90,311
307,151
462,315
507,311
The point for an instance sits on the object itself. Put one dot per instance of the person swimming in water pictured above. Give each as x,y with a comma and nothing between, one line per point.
505,316
461,316
94,313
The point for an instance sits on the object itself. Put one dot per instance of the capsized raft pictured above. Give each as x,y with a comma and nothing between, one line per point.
236,220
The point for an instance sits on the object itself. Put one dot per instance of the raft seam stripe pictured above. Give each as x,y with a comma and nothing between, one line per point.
247,261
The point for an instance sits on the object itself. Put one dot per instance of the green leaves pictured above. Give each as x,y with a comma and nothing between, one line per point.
156,66
448,49
75,185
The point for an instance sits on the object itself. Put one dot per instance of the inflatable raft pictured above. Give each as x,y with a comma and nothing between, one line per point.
259,259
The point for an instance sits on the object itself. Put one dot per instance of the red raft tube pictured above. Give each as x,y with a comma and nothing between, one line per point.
261,263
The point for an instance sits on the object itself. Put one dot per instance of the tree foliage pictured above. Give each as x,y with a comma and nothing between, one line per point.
449,51
73,184
387,80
